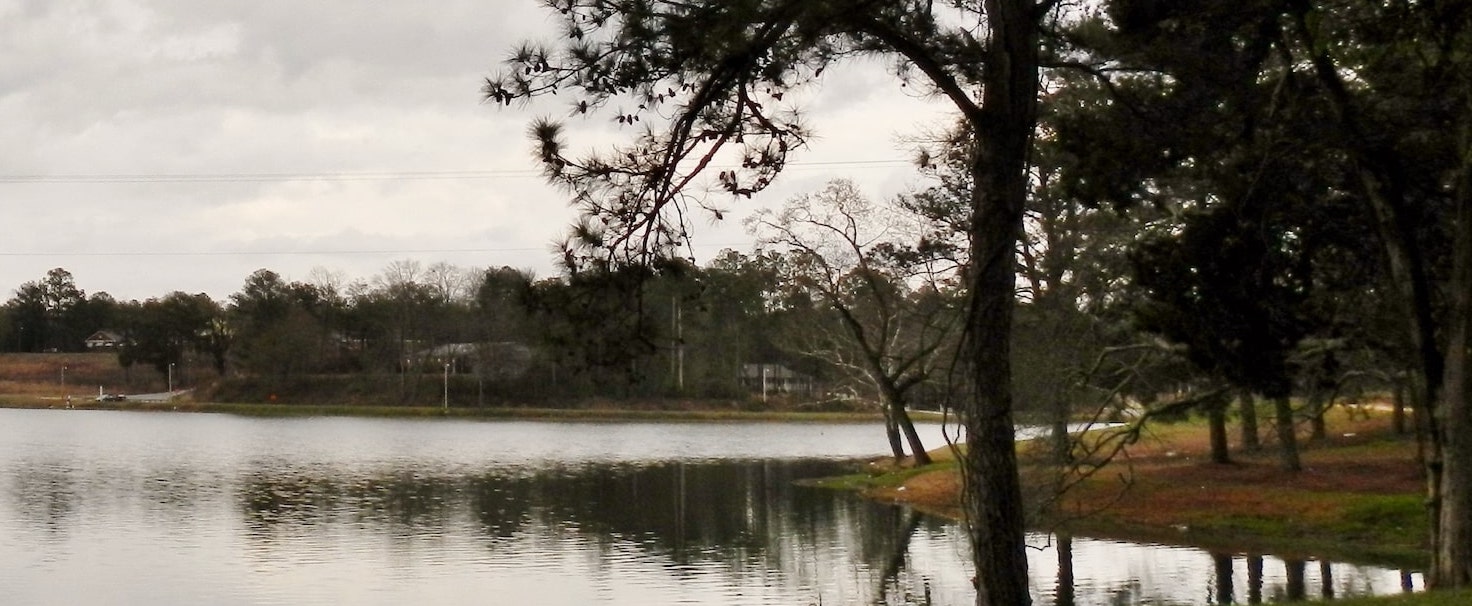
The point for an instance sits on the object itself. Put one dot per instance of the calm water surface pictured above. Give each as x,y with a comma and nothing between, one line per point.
163,509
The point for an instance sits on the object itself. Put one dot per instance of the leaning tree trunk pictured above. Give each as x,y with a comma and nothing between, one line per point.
902,415
897,420
892,432
1004,126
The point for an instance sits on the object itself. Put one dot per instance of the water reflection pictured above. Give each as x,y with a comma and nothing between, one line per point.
746,520
1178,575
184,509
43,497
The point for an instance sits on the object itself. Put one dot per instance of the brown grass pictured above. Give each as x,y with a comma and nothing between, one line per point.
40,374
1358,494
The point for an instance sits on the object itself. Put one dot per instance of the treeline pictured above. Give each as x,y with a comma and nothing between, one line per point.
1158,297
676,330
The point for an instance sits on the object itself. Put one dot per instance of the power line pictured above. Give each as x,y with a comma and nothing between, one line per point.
303,253
273,177
268,177
264,253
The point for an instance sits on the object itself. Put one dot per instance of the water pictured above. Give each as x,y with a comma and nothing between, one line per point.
138,508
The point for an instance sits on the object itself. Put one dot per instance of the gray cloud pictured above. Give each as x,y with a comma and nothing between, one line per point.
368,103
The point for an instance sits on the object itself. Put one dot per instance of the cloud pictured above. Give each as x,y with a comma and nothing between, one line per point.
163,145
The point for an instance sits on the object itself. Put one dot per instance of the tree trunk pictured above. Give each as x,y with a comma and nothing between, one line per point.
1409,277
1004,127
1317,408
1062,442
897,419
1216,416
1247,409
1452,558
1287,438
1398,416
892,432
922,457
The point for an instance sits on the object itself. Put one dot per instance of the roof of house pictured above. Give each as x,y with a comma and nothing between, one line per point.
773,371
105,335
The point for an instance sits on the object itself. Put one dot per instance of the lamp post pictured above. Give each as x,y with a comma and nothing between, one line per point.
65,395
447,387
171,377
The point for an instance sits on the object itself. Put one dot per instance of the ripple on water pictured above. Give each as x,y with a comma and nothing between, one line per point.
186,509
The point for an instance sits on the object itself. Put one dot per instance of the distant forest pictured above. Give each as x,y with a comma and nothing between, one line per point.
845,303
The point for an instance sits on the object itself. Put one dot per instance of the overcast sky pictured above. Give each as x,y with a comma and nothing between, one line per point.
160,145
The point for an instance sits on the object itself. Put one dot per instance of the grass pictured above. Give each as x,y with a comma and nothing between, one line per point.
1358,499
41,372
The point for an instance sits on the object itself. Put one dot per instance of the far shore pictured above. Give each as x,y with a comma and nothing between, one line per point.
458,412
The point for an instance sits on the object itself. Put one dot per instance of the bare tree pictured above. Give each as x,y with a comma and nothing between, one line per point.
893,326
451,283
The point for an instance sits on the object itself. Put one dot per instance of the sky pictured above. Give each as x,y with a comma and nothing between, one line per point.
154,146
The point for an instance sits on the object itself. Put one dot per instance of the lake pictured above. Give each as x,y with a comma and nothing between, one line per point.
107,507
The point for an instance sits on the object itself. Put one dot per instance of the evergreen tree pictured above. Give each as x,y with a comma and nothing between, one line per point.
720,71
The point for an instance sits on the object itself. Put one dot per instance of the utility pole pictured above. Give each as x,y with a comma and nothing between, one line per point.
764,381
679,345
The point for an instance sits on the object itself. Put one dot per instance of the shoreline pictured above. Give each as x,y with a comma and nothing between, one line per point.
598,414
1359,498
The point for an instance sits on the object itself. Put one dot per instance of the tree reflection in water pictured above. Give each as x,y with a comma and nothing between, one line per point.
745,524
187,509
748,518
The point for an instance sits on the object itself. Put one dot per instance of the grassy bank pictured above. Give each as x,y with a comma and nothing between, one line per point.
40,375
1358,498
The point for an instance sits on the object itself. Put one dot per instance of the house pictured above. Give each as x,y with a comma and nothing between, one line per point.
104,339
774,378
503,360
